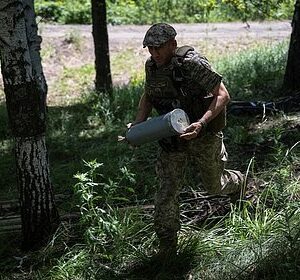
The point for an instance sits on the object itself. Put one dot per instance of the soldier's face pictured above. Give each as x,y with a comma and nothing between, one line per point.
163,54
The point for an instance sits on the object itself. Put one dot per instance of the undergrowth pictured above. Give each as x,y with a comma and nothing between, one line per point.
256,74
112,191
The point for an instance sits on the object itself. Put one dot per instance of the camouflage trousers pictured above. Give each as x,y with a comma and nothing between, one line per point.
207,154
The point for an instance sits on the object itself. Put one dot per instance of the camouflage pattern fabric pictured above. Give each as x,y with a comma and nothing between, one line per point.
192,95
196,68
208,156
198,75
158,34
187,83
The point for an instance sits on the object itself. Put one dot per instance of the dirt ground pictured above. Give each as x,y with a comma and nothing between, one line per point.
71,46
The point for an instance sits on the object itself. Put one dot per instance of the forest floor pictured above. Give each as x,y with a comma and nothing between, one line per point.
78,132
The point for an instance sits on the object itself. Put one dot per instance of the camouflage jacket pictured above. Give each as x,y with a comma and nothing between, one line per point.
186,83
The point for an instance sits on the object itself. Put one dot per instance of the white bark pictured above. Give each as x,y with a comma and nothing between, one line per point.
25,89
13,43
32,161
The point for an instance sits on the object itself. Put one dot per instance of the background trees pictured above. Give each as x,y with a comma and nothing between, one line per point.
292,73
103,81
25,90
149,11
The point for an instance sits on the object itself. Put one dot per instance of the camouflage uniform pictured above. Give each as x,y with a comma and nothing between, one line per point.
186,82
208,156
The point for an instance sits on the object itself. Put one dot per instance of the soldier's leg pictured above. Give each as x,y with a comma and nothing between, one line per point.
170,170
210,157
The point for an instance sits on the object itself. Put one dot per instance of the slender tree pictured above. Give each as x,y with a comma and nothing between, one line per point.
103,81
25,90
292,71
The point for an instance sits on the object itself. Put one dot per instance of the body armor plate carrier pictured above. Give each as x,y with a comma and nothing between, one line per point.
166,87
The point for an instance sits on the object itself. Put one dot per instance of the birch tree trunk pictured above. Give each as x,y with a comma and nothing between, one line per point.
292,71
25,91
103,81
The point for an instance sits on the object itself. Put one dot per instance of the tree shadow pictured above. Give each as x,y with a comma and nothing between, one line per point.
9,252
281,262
70,139
4,129
264,140
154,269
78,133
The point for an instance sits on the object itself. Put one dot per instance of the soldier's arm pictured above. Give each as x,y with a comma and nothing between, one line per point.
201,71
144,110
219,102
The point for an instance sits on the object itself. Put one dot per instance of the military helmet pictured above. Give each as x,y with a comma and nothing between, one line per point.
158,34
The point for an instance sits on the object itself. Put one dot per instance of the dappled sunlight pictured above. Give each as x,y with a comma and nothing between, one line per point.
108,186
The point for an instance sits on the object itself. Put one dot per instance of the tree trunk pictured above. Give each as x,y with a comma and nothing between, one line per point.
292,71
103,81
25,90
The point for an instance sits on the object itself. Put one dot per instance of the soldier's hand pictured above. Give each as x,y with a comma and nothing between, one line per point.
192,131
131,124
124,139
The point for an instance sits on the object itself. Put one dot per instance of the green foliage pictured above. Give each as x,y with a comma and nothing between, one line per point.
255,74
114,239
96,197
257,239
76,12
109,234
119,108
49,10
150,11
257,9
122,12
64,11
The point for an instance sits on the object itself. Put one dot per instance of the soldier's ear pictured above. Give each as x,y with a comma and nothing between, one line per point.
173,44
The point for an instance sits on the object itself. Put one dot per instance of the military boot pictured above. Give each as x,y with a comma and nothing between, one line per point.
238,178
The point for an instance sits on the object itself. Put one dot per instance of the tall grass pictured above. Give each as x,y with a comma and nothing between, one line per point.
114,237
255,74
261,239
256,240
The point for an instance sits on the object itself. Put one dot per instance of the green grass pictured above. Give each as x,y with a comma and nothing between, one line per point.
114,237
255,74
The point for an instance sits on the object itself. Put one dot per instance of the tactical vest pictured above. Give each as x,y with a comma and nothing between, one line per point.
167,89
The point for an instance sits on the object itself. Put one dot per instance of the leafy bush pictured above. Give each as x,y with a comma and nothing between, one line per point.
150,11
76,12
122,12
255,74
120,108
49,10
64,11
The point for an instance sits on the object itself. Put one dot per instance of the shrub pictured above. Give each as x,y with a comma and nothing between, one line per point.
150,11
49,10
255,74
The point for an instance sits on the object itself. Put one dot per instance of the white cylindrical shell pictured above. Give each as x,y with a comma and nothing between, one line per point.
170,124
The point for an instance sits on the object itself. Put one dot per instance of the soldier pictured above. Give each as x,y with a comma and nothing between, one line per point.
183,78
